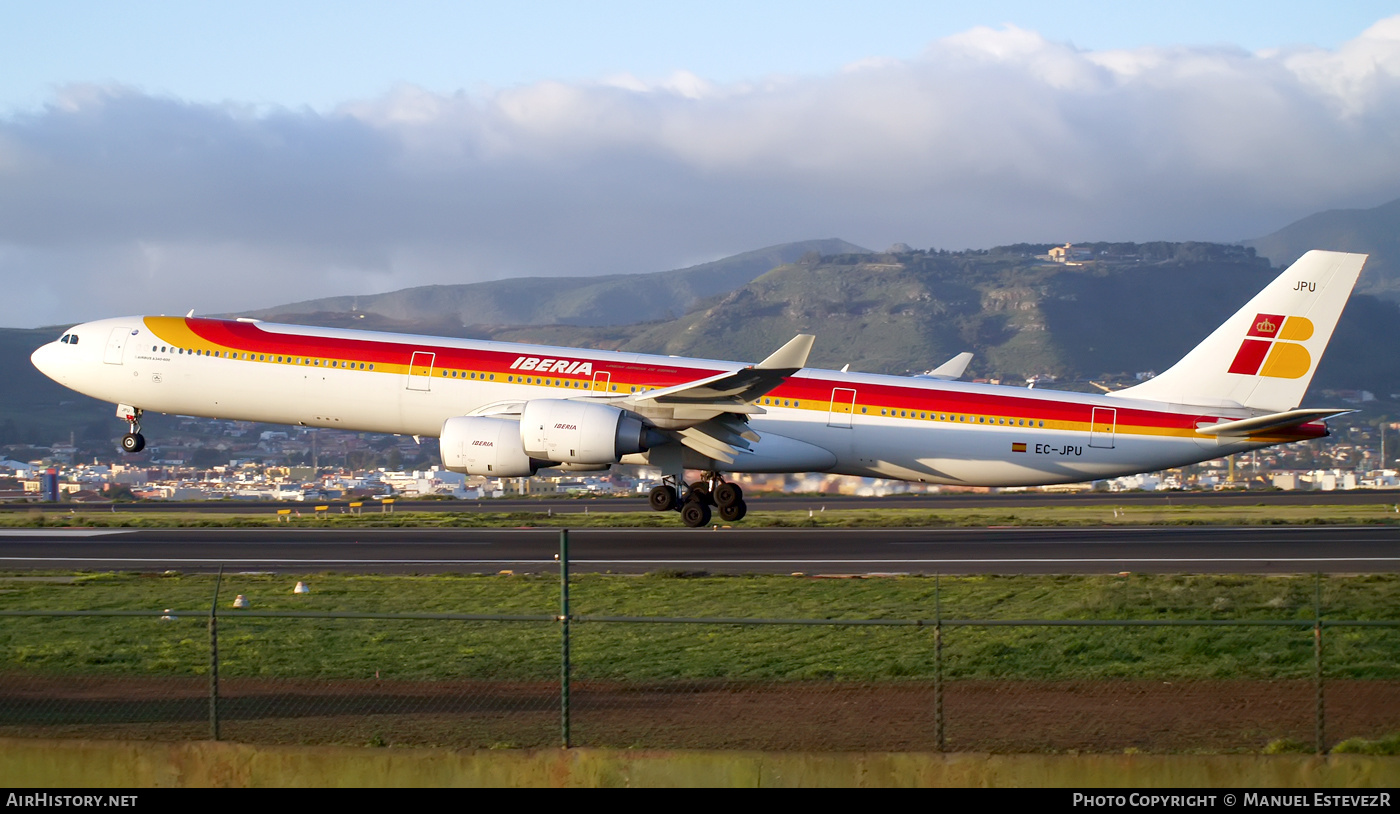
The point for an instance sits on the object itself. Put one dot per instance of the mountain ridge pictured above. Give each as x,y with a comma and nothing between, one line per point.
1374,231
615,299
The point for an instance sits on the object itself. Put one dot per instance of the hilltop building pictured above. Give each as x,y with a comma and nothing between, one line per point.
1069,254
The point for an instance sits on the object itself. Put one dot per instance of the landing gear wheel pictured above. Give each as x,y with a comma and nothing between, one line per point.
734,511
700,491
663,498
695,514
133,442
727,494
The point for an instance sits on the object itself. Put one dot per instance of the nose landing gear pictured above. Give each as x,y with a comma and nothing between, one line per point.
699,496
133,441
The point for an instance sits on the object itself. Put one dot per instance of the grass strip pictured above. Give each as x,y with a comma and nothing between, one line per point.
524,650
1256,515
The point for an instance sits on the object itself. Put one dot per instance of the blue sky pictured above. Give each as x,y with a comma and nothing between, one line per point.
323,53
157,157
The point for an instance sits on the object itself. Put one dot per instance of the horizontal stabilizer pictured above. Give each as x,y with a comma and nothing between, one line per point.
1268,424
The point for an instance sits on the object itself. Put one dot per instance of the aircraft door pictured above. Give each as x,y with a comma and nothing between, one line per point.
1102,424
116,345
843,405
601,380
420,370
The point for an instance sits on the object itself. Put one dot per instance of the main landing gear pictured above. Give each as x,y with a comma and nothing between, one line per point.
711,490
133,441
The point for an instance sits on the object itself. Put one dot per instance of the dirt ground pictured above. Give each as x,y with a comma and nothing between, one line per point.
978,716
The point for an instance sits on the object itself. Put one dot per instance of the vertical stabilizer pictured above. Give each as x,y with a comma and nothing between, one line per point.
1265,355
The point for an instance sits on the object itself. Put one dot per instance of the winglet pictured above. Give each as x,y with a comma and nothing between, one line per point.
951,370
793,355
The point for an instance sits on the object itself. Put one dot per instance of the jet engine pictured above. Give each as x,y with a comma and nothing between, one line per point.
480,445
582,432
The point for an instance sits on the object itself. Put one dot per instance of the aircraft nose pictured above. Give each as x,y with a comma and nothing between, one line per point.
46,360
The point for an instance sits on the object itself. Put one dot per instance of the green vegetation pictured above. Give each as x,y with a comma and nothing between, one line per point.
1388,745
521,650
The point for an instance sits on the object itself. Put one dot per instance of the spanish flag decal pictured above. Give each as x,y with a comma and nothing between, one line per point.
1264,352
1018,447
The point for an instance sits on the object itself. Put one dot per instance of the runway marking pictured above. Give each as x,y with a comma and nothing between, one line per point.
60,532
920,561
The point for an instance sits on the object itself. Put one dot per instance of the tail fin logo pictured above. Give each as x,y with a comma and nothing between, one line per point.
1271,348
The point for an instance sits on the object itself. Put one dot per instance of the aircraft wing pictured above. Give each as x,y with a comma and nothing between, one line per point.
732,392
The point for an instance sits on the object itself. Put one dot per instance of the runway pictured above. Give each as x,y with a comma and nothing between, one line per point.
1160,549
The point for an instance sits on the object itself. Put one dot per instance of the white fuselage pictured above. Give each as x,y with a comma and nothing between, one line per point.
872,425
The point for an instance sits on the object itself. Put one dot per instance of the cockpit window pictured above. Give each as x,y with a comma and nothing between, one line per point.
69,339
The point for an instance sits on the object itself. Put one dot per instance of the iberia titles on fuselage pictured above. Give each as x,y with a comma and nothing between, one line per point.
506,410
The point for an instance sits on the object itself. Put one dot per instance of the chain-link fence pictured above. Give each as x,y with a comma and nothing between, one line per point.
558,677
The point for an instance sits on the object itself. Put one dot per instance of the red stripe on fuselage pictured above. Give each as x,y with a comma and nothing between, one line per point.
251,338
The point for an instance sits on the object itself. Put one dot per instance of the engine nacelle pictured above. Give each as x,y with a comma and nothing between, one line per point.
581,432
479,445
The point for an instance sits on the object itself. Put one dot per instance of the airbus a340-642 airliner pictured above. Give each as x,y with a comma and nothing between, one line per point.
506,410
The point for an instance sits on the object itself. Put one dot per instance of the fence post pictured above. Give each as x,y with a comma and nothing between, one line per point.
564,722
1320,740
214,658
938,737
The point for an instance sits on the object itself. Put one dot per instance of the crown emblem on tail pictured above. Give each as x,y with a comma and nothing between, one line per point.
1273,348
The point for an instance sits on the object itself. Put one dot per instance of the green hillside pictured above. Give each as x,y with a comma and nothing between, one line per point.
1139,308
1369,231
619,299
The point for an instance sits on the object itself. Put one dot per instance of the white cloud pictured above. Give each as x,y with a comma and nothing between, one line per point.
113,200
